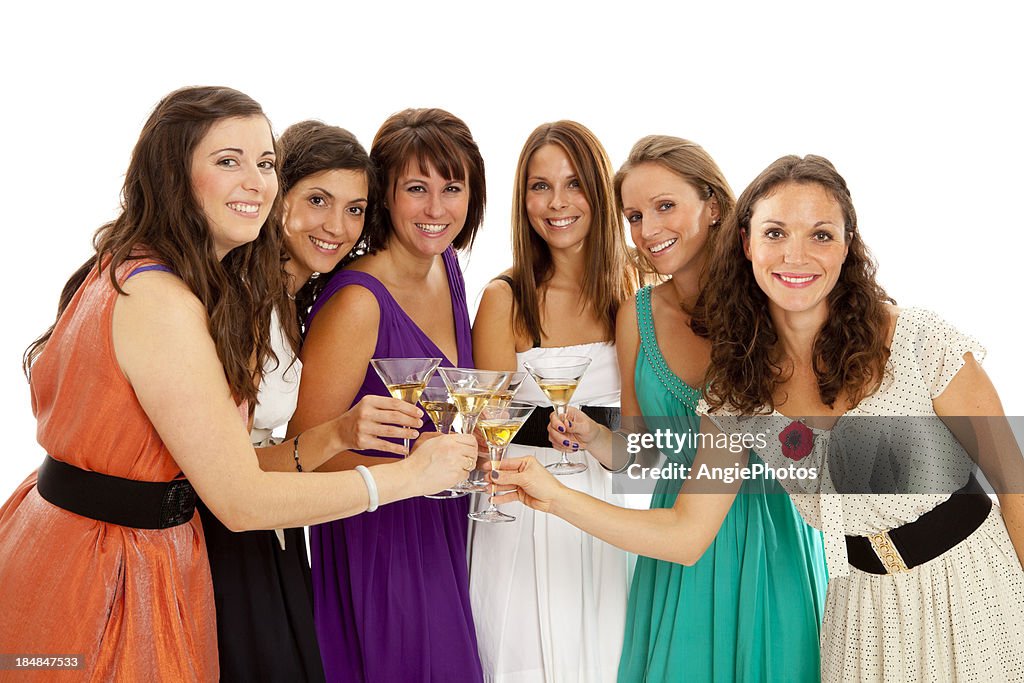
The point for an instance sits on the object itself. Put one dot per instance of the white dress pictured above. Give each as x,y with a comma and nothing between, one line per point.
279,390
959,617
549,601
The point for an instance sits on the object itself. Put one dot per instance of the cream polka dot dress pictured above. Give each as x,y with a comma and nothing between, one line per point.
959,617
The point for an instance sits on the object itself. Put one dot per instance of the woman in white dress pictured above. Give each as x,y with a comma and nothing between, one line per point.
924,585
549,601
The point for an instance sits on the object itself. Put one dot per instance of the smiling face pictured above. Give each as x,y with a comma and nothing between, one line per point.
234,180
555,202
323,218
797,246
427,211
668,219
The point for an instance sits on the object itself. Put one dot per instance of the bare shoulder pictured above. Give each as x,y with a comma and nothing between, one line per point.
161,296
353,305
498,295
626,323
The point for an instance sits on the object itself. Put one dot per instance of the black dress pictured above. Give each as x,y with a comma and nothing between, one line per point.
264,599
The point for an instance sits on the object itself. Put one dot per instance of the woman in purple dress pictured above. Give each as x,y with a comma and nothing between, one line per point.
391,591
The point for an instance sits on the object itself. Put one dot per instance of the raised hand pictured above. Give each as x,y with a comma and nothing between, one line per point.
445,460
538,488
576,428
364,425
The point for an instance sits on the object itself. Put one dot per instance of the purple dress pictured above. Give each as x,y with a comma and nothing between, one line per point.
391,587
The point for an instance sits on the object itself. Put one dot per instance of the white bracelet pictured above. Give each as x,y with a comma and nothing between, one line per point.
371,486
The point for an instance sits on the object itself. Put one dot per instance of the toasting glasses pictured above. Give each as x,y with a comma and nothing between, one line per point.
558,377
405,378
470,390
442,411
499,421
478,479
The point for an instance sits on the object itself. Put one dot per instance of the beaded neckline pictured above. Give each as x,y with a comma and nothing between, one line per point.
679,389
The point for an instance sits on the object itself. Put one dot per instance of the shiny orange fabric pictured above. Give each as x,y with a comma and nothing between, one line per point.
135,604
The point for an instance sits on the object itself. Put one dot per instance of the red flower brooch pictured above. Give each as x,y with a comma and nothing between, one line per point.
797,441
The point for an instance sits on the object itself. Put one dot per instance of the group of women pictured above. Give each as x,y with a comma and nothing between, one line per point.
248,283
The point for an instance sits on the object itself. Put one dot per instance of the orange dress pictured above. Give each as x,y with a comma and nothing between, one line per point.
132,604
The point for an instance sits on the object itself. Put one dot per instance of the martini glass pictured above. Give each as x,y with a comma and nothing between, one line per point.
558,377
442,411
499,421
405,378
477,478
470,390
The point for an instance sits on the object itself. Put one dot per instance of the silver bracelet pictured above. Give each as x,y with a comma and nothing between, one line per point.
632,456
371,486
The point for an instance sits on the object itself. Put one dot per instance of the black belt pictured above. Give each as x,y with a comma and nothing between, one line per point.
535,431
930,535
127,502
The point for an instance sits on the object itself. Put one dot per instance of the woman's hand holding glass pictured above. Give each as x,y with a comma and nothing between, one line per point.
537,488
368,422
575,431
443,460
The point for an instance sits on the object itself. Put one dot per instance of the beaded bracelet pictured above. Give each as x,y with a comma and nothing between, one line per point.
295,451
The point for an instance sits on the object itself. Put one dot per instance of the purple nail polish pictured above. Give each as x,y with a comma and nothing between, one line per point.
565,443
561,428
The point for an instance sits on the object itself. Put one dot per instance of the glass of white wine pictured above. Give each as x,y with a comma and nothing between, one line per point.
405,378
499,422
442,411
479,480
558,377
470,390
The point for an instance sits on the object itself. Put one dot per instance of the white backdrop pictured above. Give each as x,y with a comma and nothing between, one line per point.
918,108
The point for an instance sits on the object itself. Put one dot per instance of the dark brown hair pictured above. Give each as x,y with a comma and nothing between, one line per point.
161,218
307,148
849,352
689,161
608,278
426,136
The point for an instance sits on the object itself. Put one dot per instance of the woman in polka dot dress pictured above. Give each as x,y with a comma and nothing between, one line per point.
924,585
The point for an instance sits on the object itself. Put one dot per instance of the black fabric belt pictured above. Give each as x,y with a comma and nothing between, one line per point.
932,534
127,502
535,431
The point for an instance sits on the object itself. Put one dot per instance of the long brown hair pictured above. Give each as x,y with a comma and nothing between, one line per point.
307,148
692,163
161,218
432,136
849,352
609,277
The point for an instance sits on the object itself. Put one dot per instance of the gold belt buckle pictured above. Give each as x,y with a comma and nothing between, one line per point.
886,551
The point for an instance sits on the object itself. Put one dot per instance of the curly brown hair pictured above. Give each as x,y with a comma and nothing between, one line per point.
850,352
609,277
161,218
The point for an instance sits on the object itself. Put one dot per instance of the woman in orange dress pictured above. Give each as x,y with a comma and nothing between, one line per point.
146,376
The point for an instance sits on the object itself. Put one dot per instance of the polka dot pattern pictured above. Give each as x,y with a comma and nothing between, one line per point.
959,617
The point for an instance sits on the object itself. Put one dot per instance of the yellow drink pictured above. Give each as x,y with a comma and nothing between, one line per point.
471,401
499,433
408,392
442,413
558,391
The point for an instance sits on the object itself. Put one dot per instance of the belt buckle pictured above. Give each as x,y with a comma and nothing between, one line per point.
887,553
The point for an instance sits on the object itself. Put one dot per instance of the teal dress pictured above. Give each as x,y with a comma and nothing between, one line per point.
750,609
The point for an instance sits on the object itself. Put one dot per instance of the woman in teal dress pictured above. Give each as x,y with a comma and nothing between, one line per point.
750,609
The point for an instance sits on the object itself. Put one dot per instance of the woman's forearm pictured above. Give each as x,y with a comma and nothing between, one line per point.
661,533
